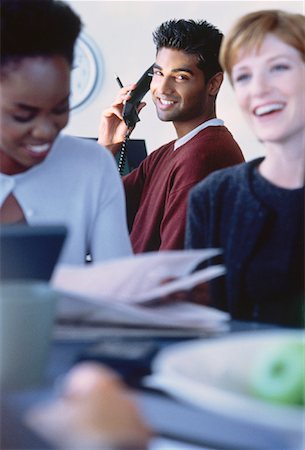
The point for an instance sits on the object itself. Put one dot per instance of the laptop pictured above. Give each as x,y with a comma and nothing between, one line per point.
30,251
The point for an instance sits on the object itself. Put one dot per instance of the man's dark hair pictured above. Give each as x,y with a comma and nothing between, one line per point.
37,28
196,37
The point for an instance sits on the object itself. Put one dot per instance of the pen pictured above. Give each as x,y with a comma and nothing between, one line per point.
119,81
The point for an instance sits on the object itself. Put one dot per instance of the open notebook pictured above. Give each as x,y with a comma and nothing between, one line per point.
131,291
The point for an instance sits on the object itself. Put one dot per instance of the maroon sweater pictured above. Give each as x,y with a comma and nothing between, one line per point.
157,191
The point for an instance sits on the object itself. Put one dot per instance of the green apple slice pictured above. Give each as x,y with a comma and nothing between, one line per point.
278,373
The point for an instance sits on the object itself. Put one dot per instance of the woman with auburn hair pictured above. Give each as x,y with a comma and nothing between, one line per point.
250,31
255,211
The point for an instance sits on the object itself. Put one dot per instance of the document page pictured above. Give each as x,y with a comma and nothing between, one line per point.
138,278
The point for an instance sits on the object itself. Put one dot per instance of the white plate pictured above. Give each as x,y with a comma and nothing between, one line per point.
212,374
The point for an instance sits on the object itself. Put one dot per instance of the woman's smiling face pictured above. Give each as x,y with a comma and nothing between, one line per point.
34,109
270,87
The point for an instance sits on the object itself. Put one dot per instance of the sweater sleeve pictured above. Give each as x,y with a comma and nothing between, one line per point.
196,219
172,228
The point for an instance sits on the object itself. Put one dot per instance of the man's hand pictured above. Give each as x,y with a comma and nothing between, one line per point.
112,128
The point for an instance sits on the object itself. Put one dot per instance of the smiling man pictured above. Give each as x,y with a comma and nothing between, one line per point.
185,83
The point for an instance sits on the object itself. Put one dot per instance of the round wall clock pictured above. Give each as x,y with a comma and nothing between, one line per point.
86,75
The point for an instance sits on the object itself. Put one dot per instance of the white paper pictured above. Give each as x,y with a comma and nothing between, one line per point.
138,278
129,292
175,314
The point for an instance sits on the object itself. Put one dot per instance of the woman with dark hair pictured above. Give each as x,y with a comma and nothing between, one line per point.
47,177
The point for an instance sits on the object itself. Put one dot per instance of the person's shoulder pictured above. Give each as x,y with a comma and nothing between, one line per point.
217,129
164,148
75,143
225,178
81,148
215,142
218,135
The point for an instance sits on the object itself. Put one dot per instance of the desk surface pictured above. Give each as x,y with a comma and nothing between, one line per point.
169,417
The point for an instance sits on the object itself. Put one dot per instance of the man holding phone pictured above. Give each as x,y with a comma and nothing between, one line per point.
185,83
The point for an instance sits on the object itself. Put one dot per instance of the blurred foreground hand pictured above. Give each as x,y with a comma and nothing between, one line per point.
94,411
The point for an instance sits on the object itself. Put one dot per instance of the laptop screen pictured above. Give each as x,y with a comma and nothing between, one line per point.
30,251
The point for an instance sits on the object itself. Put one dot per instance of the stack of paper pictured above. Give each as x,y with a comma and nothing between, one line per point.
136,291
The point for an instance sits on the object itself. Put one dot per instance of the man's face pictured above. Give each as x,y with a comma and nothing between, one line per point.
178,88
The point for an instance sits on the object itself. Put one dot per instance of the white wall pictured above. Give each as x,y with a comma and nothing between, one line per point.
123,32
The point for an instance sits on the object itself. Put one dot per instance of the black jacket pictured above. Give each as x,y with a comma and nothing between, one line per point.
223,212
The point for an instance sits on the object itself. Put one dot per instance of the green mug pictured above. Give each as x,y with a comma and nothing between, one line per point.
27,312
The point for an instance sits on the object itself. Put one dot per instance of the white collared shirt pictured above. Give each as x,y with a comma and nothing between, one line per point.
209,123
